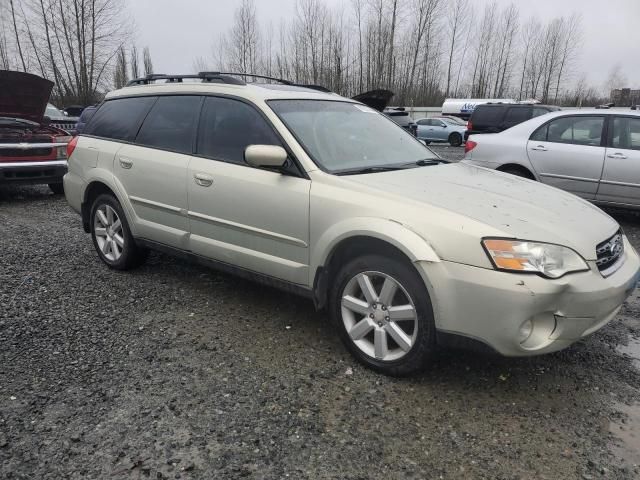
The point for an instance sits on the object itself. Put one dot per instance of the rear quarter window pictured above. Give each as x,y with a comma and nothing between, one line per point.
119,119
486,116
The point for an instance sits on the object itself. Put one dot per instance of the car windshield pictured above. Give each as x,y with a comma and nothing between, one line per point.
342,137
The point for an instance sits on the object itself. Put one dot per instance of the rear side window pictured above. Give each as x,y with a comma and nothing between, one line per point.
537,111
626,133
119,119
582,130
228,127
170,125
486,116
516,115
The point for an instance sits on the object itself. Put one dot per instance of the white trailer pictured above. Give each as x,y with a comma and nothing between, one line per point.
464,107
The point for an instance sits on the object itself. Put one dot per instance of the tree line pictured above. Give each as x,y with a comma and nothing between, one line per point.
423,50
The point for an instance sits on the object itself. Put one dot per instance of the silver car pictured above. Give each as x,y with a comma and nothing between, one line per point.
592,153
441,129
325,197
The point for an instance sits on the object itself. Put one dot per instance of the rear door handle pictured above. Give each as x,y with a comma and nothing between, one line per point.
617,155
203,180
540,148
125,163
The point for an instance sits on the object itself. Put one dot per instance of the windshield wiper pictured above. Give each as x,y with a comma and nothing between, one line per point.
428,161
358,171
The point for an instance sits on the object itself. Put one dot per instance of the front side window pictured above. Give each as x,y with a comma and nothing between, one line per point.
626,133
342,136
228,127
119,119
579,130
170,125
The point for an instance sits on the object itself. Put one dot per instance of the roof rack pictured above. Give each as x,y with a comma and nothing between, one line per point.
218,77
214,77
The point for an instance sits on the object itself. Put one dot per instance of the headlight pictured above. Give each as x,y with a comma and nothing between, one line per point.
552,261
61,152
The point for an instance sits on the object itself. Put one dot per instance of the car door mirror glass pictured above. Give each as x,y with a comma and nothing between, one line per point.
265,155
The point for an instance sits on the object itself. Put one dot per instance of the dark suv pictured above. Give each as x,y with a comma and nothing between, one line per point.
496,117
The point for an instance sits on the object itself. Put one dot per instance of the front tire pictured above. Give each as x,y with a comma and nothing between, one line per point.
383,313
455,139
111,235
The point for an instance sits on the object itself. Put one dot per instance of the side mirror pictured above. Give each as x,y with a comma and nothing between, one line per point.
265,155
444,125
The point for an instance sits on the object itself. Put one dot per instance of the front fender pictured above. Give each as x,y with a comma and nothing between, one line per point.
414,246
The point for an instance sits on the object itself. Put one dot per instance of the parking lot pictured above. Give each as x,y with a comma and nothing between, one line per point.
176,371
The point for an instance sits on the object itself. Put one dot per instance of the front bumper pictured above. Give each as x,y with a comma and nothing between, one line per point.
49,171
491,306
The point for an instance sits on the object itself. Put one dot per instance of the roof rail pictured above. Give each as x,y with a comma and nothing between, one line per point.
282,81
203,76
218,77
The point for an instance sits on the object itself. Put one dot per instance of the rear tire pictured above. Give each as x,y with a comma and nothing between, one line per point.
57,188
390,328
111,235
455,139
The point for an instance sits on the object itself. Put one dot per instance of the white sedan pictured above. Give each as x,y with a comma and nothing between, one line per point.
592,153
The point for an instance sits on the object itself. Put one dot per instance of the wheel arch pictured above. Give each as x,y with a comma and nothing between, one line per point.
363,236
93,189
516,166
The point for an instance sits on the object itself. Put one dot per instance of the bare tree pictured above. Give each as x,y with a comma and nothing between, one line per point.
146,61
456,23
133,62
616,79
121,76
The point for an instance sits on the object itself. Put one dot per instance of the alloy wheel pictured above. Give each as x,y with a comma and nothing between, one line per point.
107,228
379,316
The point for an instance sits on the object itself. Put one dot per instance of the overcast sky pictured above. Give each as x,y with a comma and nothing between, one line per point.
179,31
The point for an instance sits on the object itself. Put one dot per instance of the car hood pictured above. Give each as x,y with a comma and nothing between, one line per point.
23,95
510,205
376,99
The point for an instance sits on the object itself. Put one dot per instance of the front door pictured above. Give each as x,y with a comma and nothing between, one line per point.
253,218
620,181
568,153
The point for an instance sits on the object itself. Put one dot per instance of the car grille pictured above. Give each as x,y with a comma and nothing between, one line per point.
67,126
609,252
20,152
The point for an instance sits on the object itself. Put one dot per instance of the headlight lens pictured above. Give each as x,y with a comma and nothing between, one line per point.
61,152
550,260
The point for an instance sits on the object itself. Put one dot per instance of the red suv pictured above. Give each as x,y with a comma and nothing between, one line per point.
31,150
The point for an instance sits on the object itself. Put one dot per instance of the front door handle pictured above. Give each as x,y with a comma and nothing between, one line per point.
617,155
125,163
539,148
203,180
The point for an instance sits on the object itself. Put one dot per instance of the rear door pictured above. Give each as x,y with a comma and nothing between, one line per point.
620,181
253,218
568,153
152,170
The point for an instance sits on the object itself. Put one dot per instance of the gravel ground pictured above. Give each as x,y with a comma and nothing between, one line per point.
176,371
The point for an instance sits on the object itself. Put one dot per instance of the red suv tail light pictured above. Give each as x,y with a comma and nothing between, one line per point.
469,125
470,145
71,146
